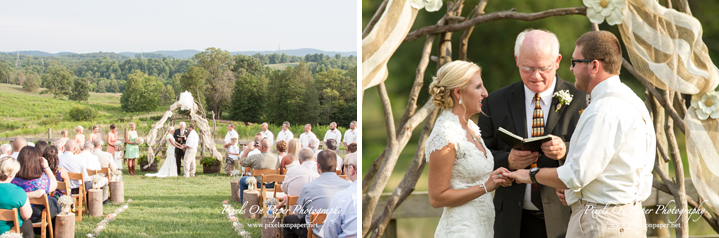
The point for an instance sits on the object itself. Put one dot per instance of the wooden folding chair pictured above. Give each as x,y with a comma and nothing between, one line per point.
63,186
261,172
45,219
291,201
106,171
79,198
275,179
315,219
247,171
283,170
11,215
343,177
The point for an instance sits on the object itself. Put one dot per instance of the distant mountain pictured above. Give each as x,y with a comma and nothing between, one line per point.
186,54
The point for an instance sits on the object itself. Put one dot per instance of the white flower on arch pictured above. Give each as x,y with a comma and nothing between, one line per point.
611,10
707,105
430,5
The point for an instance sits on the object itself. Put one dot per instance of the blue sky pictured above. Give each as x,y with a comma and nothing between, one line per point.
134,26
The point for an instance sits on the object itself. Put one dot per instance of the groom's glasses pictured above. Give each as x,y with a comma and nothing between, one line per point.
575,61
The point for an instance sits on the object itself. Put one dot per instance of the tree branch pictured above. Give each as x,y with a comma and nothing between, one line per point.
374,19
418,80
509,14
464,40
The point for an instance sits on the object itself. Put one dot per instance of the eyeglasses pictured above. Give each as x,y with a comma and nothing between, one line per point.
530,70
574,61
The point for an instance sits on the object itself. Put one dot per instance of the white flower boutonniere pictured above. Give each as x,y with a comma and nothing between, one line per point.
564,98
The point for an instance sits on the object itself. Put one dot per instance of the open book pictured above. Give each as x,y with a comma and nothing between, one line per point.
519,143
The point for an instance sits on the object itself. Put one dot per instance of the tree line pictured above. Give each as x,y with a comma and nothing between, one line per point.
320,89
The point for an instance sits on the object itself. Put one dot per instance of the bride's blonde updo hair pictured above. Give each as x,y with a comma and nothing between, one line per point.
452,75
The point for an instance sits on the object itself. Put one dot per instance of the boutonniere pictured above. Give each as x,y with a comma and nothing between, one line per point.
581,111
564,98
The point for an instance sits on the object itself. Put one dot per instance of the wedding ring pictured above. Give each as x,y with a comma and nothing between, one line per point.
499,175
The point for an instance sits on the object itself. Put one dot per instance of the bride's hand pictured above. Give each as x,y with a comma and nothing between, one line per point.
497,178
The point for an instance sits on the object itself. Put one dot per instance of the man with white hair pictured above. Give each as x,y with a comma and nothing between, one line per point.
529,108
5,149
92,162
298,176
350,135
267,133
285,134
306,138
17,145
106,160
342,222
60,144
333,133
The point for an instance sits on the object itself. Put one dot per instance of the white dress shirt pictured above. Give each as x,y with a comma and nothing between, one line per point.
341,218
298,176
73,164
15,154
306,138
333,134
350,137
611,157
91,161
231,134
192,140
529,105
285,135
235,150
268,134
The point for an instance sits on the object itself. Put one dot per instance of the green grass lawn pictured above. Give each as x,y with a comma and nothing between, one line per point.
171,207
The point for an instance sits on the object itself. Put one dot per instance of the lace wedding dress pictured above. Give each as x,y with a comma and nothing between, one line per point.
471,167
169,168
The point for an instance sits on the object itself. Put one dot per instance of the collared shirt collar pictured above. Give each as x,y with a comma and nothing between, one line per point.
68,153
546,95
604,86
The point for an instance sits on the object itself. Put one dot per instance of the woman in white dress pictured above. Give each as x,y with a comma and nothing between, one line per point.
169,168
460,165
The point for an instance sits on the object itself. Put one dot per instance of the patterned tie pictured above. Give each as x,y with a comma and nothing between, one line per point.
537,130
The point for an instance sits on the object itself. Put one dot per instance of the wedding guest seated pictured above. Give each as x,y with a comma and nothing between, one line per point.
264,160
314,144
315,196
41,146
298,176
14,197
341,219
5,149
281,150
51,155
79,138
92,162
106,159
290,160
36,178
17,145
331,144
72,162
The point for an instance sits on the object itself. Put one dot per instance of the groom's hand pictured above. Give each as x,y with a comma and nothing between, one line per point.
560,195
520,176
554,149
519,159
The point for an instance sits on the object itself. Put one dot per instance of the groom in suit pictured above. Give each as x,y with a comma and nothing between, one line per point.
525,210
181,137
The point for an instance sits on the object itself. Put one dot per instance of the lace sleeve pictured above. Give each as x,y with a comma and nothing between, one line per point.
445,131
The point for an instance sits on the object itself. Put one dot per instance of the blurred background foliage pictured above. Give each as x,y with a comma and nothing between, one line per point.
491,45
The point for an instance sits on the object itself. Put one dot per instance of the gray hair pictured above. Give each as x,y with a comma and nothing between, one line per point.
554,42
182,124
88,146
5,149
306,154
70,145
97,142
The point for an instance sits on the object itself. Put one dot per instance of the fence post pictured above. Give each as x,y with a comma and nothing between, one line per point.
49,133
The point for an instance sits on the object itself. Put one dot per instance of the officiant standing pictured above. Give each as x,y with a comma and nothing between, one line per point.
608,171
181,138
531,108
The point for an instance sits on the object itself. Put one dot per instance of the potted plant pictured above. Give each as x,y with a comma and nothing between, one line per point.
210,165
144,161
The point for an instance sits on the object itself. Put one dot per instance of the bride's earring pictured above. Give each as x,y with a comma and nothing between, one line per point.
460,101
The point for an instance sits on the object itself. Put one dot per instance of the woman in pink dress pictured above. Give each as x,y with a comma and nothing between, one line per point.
79,138
111,139
95,134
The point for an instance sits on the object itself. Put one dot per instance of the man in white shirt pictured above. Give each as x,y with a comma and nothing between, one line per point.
193,140
92,162
341,218
74,164
298,176
333,133
17,145
231,133
285,134
350,135
306,138
5,149
610,160
267,133
106,160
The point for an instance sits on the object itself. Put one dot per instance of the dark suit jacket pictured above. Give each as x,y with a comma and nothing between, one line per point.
177,136
505,108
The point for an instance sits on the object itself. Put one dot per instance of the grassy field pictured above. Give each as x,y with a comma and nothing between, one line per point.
171,207
283,65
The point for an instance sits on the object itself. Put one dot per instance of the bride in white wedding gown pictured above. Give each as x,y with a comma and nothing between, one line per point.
169,168
460,165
